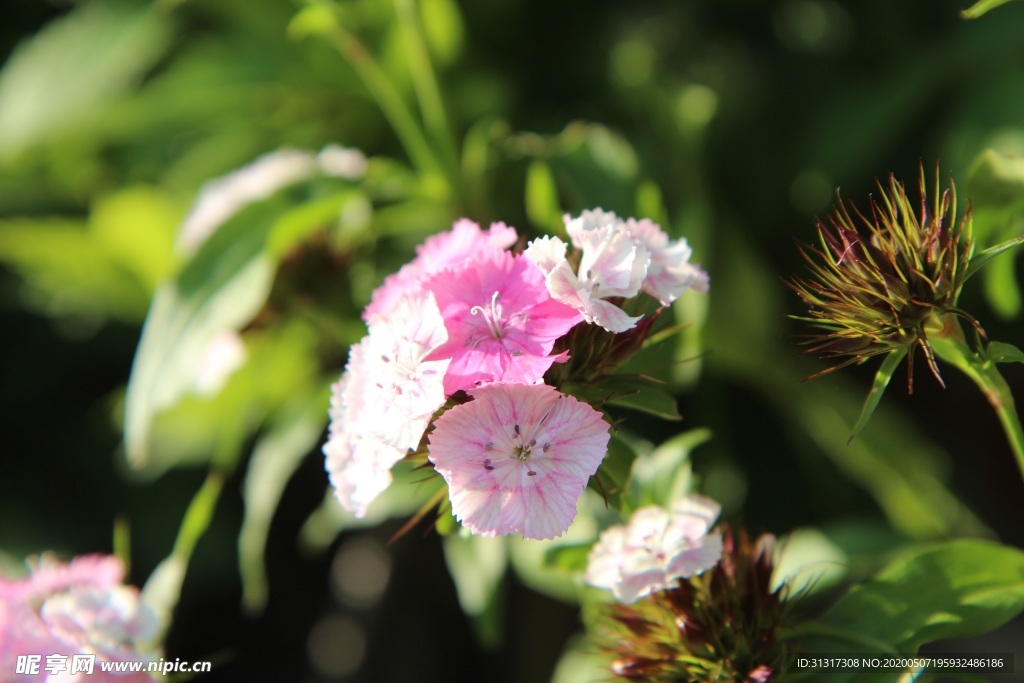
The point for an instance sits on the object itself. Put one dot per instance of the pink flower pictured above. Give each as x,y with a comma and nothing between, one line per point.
464,242
386,398
79,608
517,458
655,549
501,321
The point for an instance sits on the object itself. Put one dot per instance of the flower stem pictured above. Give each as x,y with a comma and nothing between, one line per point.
427,91
390,102
949,344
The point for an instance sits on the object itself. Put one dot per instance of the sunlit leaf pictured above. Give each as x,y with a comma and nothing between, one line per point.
664,476
442,28
69,69
542,197
569,558
67,272
981,7
953,590
220,289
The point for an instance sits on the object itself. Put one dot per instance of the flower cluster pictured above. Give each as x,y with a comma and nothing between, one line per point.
464,337
80,608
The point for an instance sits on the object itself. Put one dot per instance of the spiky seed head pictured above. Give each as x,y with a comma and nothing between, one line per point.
876,279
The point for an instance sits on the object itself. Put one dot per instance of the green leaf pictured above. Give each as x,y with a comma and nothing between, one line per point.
664,476
957,589
650,203
76,64
1002,291
995,180
614,472
649,400
981,7
214,417
276,456
68,273
312,20
220,289
979,260
1000,352
478,566
442,28
136,227
882,377
569,558
542,197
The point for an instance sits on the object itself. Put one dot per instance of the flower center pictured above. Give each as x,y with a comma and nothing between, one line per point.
492,316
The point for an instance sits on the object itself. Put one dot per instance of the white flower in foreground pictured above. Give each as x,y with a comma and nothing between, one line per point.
517,458
655,549
385,400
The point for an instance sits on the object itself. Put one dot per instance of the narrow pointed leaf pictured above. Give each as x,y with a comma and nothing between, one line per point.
981,7
979,260
885,373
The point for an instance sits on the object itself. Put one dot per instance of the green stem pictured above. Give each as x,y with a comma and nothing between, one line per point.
949,344
198,516
427,91
389,101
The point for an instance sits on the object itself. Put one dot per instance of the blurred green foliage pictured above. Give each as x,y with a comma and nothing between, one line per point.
729,123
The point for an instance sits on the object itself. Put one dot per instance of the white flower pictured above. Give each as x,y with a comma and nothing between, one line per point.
383,403
670,273
611,265
655,549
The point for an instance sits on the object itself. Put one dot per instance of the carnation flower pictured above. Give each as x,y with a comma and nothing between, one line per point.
465,242
501,321
517,458
386,398
72,609
656,549
670,272
611,266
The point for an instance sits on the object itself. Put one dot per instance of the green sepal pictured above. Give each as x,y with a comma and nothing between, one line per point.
882,377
